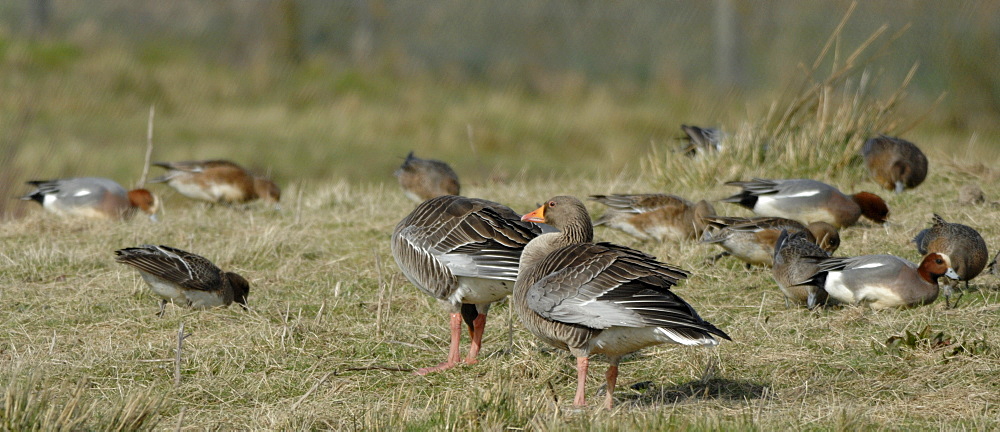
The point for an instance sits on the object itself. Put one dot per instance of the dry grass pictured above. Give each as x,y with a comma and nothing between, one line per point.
318,346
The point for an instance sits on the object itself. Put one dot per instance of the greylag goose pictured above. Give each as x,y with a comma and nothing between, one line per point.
894,163
423,179
599,298
654,216
184,278
92,197
808,201
752,240
463,252
217,181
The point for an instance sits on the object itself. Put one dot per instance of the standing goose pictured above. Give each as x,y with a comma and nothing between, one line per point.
93,197
894,163
423,179
808,201
599,298
752,240
185,278
655,216
463,252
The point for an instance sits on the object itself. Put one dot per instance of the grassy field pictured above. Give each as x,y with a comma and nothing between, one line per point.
333,326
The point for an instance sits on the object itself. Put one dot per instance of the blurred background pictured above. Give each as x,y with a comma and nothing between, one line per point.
319,90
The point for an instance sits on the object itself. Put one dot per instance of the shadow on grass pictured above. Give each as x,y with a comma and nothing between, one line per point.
648,393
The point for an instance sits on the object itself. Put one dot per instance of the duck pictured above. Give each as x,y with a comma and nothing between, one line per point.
894,163
881,281
962,243
654,216
794,261
808,201
92,197
423,179
184,278
218,181
599,298
701,141
752,240
464,252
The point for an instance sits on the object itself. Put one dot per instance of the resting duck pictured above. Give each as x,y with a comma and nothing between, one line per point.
654,216
881,281
463,252
794,261
92,197
963,244
894,163
218,181
752,240
423,179
701,140
808,201
599,298
184,278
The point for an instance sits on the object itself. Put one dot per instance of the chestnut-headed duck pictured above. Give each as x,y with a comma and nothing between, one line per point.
701,141
655,216
894,163
184,278
599,298
464,252
794,261
93,197
808,201
218,181
423,179
881,281
752,240
963,244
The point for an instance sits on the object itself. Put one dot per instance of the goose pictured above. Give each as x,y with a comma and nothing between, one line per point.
881,281
808,201
894,163
184,278
962,243
423,179
599,298
752,240
794,261
654,216
92,197
464,252
218,181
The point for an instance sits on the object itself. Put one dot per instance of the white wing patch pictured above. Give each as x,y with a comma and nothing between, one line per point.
869,265
83,192
807,193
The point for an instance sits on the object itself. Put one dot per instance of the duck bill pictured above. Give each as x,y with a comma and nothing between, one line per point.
537,216
951,274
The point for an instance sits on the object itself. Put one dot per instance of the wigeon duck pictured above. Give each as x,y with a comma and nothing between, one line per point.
894,163
752,240
961,243
423,179
794,261
654,216
218,181
92,197
993,268
463,252
808,201
599,298
881,281
184,278
701,140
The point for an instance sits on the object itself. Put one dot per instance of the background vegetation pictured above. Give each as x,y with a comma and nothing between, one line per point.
526,100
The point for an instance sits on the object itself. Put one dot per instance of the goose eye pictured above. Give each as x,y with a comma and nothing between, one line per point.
552,203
